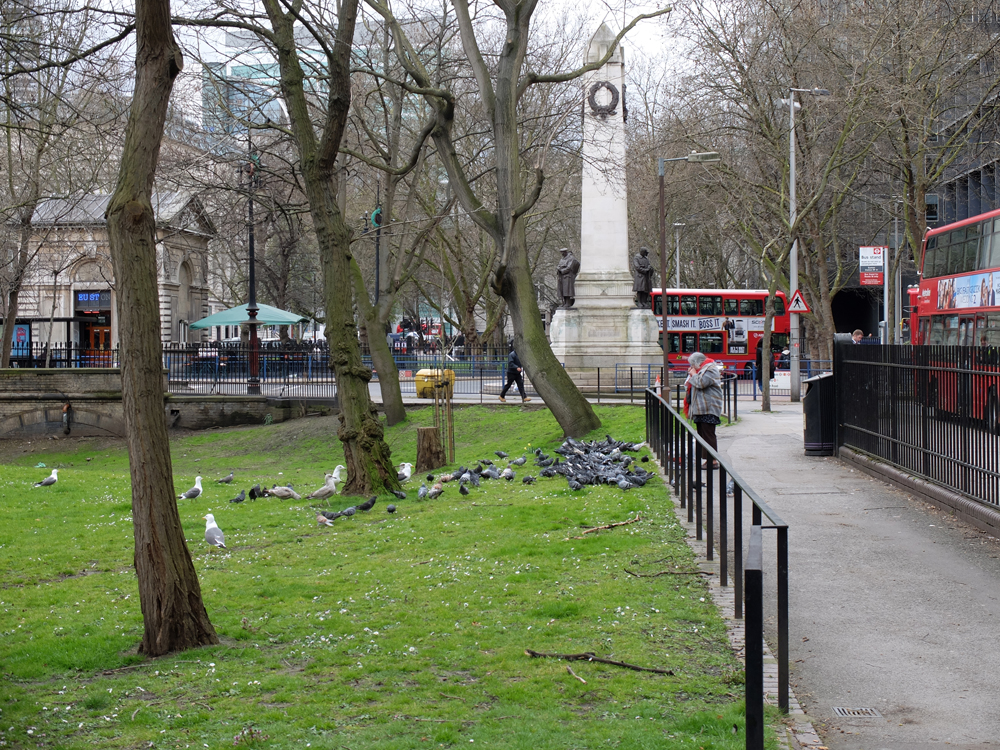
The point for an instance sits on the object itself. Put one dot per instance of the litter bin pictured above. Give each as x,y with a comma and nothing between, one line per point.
425,380
819,416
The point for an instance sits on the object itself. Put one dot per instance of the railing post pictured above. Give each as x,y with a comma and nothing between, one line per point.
723,531
754,629
709,514
782,543
738,549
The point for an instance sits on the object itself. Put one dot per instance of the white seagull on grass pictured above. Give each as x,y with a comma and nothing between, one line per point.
50,480
192,493
213,534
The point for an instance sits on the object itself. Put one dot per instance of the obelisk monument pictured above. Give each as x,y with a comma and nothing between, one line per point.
604,327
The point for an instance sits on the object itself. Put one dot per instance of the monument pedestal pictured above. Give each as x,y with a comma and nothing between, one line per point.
586,337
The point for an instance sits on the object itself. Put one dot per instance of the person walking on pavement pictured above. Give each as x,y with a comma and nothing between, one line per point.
704,386
514,376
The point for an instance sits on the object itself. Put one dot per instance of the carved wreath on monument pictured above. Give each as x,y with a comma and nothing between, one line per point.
603,109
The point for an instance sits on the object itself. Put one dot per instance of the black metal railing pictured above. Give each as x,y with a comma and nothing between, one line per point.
62,354
686,459
933,411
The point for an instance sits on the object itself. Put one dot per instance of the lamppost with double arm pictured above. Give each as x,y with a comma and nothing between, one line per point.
253,379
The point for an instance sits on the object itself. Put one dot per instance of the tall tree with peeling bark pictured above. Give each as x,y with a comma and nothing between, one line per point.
173,612
502,77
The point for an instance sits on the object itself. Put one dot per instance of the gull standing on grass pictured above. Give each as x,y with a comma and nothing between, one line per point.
50,480
213,534
192,493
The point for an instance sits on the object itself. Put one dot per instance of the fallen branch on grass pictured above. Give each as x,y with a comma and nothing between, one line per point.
568,669
669,573
589,656
608,526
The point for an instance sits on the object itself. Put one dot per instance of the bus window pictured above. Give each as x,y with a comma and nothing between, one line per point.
992,329
710,343
751,307
673,305
985,257
732,307
966,329
674,340
779,307
950,333
779,341
925,329
689,305
930,254
710,305
956,251
991,251
939,258
658,304
688,343
971,249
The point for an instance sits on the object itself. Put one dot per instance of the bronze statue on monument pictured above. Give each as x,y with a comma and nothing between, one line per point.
567,270
642,279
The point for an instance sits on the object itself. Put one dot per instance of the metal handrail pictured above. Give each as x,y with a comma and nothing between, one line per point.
680,451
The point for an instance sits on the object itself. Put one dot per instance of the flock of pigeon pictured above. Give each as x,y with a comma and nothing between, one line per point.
597,462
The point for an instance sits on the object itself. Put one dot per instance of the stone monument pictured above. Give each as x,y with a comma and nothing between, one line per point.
603,327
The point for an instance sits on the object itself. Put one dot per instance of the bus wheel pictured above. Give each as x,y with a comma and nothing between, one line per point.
991,414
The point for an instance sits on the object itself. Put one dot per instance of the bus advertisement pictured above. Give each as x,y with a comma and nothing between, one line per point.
725,324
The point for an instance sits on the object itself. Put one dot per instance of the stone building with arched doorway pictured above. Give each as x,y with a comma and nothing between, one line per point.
69,293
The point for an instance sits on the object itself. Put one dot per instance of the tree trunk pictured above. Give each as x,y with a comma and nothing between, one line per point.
8,325
385,365
570,408
430,453
174,615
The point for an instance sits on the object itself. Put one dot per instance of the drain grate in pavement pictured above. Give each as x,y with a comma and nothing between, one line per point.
857,713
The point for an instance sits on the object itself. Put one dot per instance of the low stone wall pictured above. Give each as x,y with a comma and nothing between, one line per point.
88,402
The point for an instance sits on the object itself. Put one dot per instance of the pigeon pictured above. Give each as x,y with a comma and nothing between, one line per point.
422,492
328,489
240,497
528,479
430,477
390,509
405,470
435,491
444,478
486,461
459,472
462,489
466,477
730,487
368,504
623,484
213,534
400,494
475,480
545,462
501,454
323,520
575,485
285,493
226,479
519,461
255,492
645,459
192,493
329,515
508,474
549,472
52,478
349,511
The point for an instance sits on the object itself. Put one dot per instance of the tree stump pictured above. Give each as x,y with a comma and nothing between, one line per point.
430,454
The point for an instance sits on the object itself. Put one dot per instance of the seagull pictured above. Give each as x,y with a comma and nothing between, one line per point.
192,493
435,491
285,493
50,480
405,471
368,504
226,479
422,492
213,534
328,489
336,472
390,509
240,497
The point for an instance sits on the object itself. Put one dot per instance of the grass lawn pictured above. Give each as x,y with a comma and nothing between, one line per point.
385,631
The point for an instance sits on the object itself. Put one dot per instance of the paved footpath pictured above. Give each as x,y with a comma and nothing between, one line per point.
894,605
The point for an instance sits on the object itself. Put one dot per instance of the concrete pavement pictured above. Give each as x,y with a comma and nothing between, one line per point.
894,604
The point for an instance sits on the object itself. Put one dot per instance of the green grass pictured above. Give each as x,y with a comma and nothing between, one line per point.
386,631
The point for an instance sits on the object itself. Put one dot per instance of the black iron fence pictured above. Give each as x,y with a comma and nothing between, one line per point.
933,411
704,493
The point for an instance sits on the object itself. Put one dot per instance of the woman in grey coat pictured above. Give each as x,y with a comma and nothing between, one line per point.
704,384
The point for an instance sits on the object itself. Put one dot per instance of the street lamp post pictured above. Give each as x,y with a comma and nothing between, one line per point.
253,379
694,156
678,225
793,262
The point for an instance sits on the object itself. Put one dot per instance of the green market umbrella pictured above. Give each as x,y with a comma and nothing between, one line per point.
266,316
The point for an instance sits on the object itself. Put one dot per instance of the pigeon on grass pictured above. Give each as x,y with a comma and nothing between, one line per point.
400,494
50,480
422,492
435,491
213,534
192,493
240,497
255,492
226,479
285,493
368,504
462,489
390,509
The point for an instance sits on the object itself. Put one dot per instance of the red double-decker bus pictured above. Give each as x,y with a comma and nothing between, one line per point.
725,324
